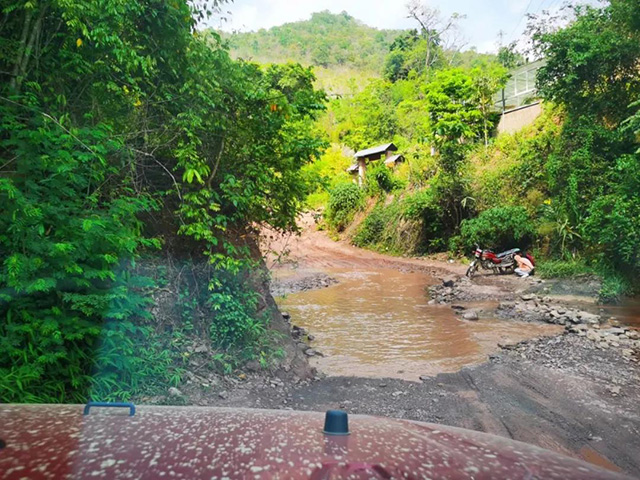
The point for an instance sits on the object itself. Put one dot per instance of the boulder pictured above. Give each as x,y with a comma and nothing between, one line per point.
253,366
615,331
174,392
471,316
593,335
574,319
528,297
578,328
448,282
298,331
590,318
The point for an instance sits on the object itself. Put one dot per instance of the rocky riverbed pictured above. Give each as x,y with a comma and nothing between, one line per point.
300,283
523,304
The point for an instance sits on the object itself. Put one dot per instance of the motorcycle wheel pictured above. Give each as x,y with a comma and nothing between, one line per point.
473,268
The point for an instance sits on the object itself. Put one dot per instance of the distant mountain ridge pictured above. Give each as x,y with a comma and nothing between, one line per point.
338,45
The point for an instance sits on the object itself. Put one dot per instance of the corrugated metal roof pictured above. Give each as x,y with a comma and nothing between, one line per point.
394,159
376,150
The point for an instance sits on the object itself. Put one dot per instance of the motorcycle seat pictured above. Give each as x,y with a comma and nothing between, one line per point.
508,252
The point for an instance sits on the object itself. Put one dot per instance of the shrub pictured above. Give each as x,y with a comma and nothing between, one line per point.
614,287
499,228
380,178
562,268
612,228
408,225
421,204
371,230
344,200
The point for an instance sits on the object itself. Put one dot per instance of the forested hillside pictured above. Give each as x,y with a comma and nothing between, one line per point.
344,52
326,40
343,49
136,163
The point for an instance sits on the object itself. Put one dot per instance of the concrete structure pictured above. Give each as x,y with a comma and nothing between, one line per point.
516,119
518,100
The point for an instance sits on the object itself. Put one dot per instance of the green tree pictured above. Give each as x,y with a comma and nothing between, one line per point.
592,71
455,117
488,78
455,120
592,65
121,133
509,57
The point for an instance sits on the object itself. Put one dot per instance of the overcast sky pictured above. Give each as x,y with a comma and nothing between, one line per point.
485,18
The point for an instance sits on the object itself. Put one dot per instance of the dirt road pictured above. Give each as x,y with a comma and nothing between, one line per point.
314,250
561,393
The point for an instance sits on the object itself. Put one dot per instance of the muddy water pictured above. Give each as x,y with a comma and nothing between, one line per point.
377,323
626,314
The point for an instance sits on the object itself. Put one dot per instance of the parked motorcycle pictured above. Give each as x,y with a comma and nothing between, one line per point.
488,260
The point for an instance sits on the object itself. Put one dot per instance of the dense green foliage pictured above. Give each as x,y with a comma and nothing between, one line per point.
445,109
344,200
551,268
412,223
500,227
123,133
592,70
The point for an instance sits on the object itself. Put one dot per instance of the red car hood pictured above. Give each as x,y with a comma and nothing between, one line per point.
56,441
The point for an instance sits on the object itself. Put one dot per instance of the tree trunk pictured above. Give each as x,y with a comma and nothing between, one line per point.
25,52
486,133
35,34
21,49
